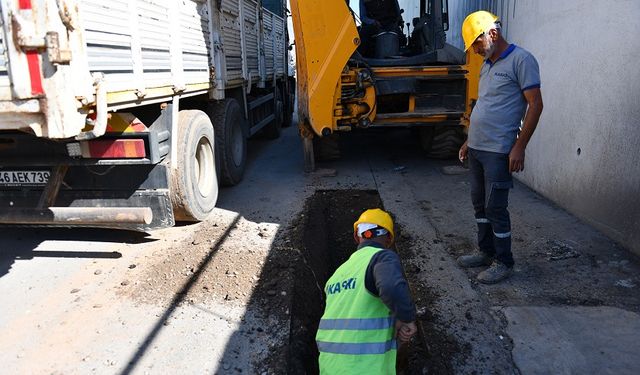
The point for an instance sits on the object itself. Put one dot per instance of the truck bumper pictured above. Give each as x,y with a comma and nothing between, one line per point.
133,197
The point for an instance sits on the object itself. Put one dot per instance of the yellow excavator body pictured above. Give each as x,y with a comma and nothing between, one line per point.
427,84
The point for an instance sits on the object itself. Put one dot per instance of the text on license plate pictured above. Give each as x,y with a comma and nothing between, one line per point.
21,178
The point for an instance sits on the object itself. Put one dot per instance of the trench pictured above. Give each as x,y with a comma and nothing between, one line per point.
323,234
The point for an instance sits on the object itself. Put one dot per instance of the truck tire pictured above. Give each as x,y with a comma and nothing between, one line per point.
193,182
231,142
442,142
288,118
274,129
290,105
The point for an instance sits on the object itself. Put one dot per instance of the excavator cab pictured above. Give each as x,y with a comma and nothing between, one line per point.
424,43
381,28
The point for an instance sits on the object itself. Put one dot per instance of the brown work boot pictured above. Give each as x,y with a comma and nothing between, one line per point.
496,273
476,259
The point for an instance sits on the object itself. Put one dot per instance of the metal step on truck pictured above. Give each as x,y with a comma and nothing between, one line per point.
130,114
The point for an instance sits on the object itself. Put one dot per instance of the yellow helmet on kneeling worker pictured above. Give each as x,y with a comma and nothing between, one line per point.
378,217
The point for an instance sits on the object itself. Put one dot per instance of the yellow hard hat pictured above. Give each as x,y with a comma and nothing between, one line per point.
475,25
378,217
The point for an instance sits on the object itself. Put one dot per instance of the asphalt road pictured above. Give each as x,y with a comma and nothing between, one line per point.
191,299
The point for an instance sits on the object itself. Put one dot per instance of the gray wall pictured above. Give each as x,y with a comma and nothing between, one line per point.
585,154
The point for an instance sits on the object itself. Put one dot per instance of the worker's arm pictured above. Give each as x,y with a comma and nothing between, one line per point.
528,75
533,97
384,278
463,153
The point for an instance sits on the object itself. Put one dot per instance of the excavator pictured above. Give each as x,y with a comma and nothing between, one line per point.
352,76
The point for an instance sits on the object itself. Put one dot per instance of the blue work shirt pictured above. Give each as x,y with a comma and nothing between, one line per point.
497,116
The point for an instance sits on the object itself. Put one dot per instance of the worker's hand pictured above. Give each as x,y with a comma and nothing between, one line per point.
516,159
463,153
405,331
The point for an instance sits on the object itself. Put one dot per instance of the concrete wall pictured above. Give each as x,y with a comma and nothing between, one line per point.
585,154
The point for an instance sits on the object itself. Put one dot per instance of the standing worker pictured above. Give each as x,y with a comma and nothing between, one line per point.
368,305
509,86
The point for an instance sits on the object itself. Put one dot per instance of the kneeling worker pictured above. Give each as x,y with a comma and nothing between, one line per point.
368,304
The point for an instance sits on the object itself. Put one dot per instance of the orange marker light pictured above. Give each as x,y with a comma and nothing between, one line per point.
113,149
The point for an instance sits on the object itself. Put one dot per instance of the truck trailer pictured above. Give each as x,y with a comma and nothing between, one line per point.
130,114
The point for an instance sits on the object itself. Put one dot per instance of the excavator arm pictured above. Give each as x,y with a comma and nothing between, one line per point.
325,39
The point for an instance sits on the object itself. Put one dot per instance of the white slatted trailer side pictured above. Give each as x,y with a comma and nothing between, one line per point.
149,50
184,66
136,50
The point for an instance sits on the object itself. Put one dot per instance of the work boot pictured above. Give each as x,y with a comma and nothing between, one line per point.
496,273
476,259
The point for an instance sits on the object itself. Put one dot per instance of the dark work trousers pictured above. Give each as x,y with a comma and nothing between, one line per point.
490,184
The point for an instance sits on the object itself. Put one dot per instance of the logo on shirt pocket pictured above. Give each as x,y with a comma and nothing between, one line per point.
501,76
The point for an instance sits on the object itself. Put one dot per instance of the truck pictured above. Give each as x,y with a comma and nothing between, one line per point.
130,114
351,76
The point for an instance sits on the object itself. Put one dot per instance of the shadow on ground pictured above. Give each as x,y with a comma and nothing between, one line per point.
22,243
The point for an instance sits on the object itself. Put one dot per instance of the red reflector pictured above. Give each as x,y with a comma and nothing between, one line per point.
113,149
24,4
33,62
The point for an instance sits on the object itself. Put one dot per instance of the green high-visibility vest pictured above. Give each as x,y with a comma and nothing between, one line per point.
356,332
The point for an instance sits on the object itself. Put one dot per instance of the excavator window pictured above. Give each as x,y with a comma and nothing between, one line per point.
385,36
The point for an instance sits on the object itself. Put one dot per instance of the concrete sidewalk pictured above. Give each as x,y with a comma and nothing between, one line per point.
574,340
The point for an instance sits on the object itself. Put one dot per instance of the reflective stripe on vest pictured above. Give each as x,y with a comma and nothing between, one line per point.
356,324
357,349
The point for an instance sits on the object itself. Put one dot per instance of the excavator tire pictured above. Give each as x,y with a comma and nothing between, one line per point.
442,142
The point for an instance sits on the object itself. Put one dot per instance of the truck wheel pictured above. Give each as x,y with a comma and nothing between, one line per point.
274,129
193,182
288,118
442,142
291,98
231,143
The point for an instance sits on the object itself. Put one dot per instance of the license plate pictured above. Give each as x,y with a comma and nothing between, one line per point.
24,178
